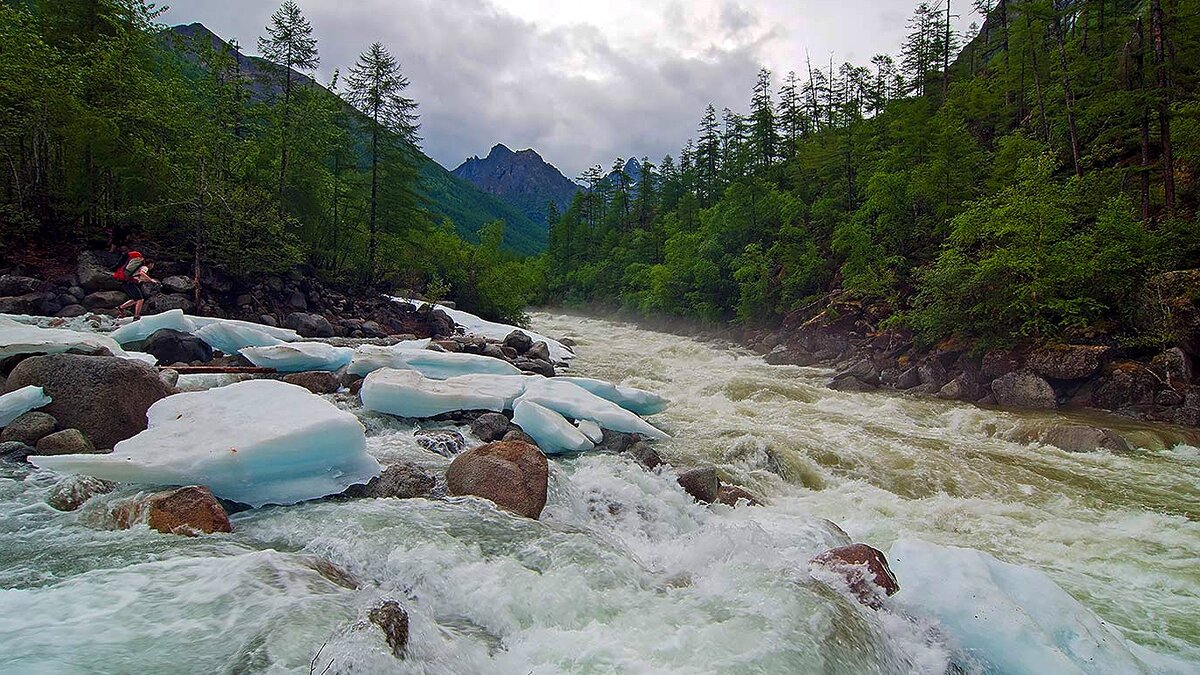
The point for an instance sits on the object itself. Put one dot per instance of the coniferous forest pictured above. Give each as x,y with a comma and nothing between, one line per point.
1015,182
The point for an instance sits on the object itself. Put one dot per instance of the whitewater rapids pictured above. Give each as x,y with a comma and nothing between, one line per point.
625,574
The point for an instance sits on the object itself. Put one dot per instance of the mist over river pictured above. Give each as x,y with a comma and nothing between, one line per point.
625,573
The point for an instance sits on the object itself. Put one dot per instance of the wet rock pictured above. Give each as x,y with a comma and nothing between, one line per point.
908,379
643,453
1124,384
165,302
1026,389
519,341
539,352
731,495
445,442
864,371
173,346
494,351
784,355
933,375
847,382
1080,438
104,397
536,366
490,427
332,573
513,475
391,618
702,484
515,434
71,492
104,299
1067,362
398,481
178,284
187,511
617,441
865,569
1176,365
318,382
94,271
71,311
309,325
65,442
962,388
29,428
15,451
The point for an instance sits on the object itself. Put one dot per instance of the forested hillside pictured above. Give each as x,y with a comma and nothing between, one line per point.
1018,182
109,125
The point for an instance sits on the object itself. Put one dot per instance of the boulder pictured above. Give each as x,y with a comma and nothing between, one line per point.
1176,365
187,511
1124,384
644,454
515,434
962,388
1026,389
71,492
316,381
998,363
864,371
536,366
104,299
848,382
65,442
539,352
29,428
398,481
95,271
178,284
445,442
865,569
309,325
1081,438
702,484
731,495
391,618
29,303
784,355
165,302
295,301
15,451
1067,362
11,285
513,475
104,397
908,379
490,427
172,346
519,341
71,311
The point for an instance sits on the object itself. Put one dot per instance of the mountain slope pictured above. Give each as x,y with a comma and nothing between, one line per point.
522,179
445,195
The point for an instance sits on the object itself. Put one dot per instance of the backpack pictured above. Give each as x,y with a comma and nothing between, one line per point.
130,263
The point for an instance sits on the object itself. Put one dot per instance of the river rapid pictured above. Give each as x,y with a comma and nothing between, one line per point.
625,573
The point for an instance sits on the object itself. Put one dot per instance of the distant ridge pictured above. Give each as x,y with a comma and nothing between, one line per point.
523,179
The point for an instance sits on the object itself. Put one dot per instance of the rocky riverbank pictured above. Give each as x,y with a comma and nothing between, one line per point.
1088,371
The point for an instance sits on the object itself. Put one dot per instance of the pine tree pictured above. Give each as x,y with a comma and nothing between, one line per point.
762,121
791,115
375,87
708,156
289,44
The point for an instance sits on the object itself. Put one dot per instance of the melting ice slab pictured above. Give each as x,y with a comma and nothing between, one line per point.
633,399
431,364
18,338
497,331
1013,619
145,326
17,403
407,393
231,338
570,400
552,432
257,442
298,357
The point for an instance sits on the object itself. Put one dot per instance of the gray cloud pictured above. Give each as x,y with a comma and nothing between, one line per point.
578,93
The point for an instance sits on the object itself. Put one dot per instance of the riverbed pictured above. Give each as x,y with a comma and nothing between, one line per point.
625,573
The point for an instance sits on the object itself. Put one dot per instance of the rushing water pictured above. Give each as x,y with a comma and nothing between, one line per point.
624,573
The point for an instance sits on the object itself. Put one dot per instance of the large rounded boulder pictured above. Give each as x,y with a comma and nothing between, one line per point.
104,397
1025,389
865,570
172,346
512,474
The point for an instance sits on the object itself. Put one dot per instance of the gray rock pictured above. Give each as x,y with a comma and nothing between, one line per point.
539,352
490,427
309,325
398,481
494,351
295,300
178,284
519,341
95,271
537,366
847,382
1176,365
1067,362
104,397
29,303
909,379
71,492
702,484
169,377
1026,389
65,442
445,442
962,388
1080,438
29,428
164,302
13,451
172,346
318,382
11,284
643,453
104,299
71,311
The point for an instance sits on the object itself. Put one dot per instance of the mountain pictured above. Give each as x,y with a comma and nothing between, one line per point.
446,195
522,179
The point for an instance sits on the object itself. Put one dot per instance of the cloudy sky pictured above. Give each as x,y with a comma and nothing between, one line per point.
581,82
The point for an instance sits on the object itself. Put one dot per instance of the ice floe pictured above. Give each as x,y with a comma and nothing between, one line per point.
296,357
407,393
231,338
552,432
570,400
144,327
17,403
474,325
18,338
431,364
633,399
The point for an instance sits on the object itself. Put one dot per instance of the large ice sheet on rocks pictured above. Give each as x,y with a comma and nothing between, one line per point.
407,393
19,338
230,337
17,403
497,331
369,358
633,399
145,326
572,401
282,334
297,357
258,442
552,432
1010,618
431,364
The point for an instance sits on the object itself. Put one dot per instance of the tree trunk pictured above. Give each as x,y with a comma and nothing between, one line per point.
283,139
198,239
1157,21
1139,79
1068,97
372,244
1037,79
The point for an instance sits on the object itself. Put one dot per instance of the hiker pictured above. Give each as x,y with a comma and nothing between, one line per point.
133,271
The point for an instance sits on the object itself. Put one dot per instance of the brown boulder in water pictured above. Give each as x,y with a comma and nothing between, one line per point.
865,569
187,511
393,621
702,484
511,474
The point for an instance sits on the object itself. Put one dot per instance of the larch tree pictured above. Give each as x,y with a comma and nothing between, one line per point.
290,45
762,121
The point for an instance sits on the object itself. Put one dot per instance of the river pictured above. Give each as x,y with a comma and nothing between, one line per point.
624,573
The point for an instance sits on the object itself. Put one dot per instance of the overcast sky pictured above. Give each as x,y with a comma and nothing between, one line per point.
580,82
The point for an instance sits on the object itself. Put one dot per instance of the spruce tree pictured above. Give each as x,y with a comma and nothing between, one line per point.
762,121
289,44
